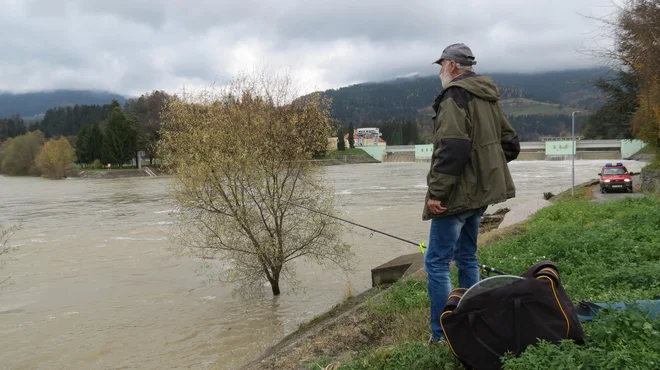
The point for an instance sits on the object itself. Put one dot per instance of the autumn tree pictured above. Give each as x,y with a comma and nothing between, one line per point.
19,154
242,169
54,158
638,44
635,97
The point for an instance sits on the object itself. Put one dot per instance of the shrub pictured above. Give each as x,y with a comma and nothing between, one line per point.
55,157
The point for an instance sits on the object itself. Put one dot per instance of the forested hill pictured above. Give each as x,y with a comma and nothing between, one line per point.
31,104
537,104
406,98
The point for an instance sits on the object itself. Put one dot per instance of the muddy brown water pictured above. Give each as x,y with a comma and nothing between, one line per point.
94,286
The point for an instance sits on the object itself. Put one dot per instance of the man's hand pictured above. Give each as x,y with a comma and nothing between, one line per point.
435,207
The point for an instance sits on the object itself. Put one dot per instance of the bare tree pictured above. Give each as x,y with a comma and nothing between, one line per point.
242,158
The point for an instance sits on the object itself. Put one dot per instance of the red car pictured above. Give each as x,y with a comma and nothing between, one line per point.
615,177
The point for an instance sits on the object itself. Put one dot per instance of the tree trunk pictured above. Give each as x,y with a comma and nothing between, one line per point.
275,285
275,281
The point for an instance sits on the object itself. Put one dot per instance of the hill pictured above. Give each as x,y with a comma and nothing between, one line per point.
536,103
37,103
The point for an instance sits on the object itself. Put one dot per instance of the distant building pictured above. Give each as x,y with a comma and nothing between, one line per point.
366,136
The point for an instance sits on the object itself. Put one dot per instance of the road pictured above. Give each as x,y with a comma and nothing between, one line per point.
599,197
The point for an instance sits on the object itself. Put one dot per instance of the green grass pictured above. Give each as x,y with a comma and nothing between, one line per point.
521,106
655,163
340,153
582,193
605,253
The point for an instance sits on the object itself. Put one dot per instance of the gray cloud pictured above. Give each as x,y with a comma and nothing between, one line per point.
135,46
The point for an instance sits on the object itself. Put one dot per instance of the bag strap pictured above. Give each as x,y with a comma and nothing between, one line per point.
534,270
516,314
453,299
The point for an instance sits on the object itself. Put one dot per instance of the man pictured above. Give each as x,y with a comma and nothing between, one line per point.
473,143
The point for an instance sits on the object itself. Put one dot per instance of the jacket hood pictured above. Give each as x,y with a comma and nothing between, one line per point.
480,86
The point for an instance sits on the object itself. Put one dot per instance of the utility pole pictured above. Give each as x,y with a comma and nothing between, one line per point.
573,157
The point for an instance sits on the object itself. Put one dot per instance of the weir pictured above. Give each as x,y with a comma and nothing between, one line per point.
548,149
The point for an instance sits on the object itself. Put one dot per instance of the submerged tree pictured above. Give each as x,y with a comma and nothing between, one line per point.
242,166
5,233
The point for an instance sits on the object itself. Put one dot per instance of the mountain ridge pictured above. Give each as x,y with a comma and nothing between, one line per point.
37,103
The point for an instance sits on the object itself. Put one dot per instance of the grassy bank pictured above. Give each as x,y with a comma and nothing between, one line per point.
583,191
605,252
337,154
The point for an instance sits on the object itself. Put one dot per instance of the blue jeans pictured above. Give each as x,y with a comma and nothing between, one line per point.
452,237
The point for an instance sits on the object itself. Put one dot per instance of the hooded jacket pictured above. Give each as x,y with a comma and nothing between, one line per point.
472,145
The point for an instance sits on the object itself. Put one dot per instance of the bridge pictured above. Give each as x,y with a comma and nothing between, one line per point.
548,149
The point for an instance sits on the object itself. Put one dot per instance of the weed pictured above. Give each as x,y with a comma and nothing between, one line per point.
616,340
403,296
407,355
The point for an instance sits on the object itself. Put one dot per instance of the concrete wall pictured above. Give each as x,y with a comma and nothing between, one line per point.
377,152
531,156
598,155
423,151
561,150
400,157
650,180
631,147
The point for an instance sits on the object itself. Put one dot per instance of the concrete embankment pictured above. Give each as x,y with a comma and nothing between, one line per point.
116,173
347,159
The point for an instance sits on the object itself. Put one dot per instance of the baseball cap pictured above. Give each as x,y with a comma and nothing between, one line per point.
460,53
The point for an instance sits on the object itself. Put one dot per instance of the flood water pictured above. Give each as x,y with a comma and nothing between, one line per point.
94,286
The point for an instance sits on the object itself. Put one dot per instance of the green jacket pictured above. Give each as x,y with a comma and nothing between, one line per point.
472,144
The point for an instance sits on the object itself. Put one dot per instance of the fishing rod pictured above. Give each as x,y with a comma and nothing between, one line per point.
420,245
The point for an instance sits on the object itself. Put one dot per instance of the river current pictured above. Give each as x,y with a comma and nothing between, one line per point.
94,285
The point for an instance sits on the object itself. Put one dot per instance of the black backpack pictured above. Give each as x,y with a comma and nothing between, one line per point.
509,318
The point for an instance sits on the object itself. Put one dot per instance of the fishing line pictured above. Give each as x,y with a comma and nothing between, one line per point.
420,245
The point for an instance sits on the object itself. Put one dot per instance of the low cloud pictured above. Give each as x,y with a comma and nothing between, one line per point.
134,46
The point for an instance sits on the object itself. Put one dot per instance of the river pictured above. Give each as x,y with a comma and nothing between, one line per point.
95,287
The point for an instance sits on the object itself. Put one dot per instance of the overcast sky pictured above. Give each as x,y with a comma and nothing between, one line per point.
135,46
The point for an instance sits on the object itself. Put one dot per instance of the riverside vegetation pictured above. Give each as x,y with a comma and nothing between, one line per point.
605,253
